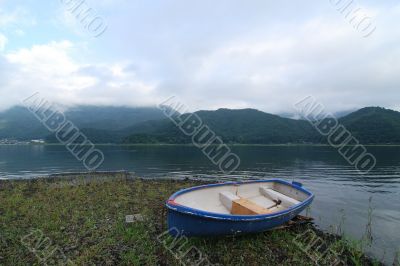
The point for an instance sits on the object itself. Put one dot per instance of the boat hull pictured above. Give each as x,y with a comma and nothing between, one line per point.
191,222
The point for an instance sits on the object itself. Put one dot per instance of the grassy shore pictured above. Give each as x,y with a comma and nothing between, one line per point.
82,220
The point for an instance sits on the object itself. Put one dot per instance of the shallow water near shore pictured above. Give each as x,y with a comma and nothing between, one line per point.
342,194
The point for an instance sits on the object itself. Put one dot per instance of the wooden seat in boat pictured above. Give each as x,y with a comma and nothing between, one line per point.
241,206
275,195
247,207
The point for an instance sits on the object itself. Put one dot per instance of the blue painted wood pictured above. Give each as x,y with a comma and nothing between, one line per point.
186,221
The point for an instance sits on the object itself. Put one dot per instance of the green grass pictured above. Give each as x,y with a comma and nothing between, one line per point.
86,221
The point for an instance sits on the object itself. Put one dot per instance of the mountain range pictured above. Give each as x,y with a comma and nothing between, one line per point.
370,125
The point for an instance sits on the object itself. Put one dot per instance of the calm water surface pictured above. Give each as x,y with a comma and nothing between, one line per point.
342,194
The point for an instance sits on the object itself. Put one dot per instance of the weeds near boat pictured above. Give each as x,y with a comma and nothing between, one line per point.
323,252
357,247
396,261
368,228
201,135
65,131
317,249
340,251
340,227
337,135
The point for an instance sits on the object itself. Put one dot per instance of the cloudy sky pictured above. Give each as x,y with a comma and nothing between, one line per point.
236,54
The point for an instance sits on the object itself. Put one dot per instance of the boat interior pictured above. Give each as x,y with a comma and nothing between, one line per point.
243,199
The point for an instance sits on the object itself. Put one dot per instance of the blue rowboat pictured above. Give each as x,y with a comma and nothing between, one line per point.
235,207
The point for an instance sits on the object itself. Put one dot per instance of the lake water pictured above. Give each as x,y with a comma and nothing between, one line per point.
342,194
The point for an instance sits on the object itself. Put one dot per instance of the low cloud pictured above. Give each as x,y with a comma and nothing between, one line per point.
51,70
264,55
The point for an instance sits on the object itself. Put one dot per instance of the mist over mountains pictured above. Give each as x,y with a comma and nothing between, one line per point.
370,125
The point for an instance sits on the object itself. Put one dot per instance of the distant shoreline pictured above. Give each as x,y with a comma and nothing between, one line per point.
191,145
